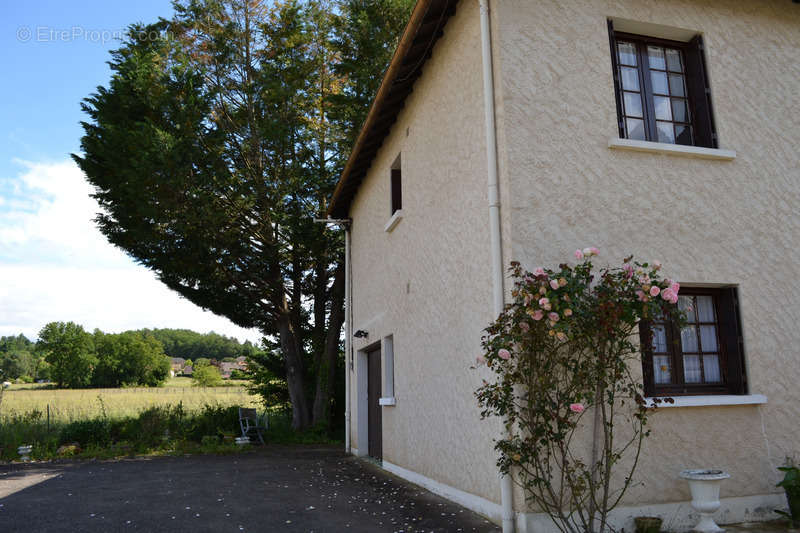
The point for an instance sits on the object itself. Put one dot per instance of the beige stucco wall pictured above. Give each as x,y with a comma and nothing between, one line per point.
708,221
428,282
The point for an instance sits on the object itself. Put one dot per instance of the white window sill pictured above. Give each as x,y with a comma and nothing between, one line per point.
396,218
712,400
672,149
387,401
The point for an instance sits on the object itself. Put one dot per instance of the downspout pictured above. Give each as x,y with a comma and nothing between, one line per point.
348,336
495,242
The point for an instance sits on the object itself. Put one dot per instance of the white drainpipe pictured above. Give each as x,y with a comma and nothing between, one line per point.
496,244
348,336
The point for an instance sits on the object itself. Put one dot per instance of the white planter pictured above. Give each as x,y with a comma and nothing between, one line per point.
704,486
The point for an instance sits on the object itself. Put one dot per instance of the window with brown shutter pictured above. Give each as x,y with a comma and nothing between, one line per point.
662,92
704,356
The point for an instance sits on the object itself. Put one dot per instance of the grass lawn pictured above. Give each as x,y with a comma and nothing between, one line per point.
67,405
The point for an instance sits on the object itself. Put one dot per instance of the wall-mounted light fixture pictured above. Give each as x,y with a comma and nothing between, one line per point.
361,334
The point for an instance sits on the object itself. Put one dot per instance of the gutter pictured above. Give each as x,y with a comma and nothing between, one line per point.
495,240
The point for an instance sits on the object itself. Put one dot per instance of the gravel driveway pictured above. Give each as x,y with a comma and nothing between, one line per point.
273,489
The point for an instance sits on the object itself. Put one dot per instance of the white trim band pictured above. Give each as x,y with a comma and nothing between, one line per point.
390,400
712,400
672,149
394,221
482,506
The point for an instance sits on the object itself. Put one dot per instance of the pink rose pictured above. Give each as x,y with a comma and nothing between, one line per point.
504,354
654,290
544,303
561,336
537,315
524,327
554,284
553,317
675,287
480,360
656,265
594,250
669,295
539,272
578,255
628,269
642,296
527,300
576,407
567,312
562,282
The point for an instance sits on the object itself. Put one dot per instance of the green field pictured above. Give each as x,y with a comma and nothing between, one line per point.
67,405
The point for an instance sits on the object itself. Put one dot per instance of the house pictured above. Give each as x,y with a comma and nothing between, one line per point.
519,130
227,367
176,365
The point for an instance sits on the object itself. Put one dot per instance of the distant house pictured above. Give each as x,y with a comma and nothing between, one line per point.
187,370
663,129
176,365
226,368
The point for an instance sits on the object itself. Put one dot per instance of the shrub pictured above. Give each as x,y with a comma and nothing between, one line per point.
95,431
563,349
207,376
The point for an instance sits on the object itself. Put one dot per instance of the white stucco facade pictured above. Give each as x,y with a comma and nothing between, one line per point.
727,220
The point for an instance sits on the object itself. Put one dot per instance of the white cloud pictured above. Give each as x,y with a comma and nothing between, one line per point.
56,265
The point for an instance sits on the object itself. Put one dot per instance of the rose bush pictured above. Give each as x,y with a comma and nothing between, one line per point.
561,352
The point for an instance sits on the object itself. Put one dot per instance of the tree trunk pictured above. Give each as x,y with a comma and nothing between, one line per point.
326,373
294,372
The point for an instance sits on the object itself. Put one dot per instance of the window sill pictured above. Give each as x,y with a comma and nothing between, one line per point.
387,401
396,218
672,149
712,400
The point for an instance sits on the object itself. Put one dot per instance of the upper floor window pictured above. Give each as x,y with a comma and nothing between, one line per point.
704,356
397,186
662,90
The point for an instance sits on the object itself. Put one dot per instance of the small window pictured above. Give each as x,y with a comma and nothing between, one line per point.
662,90
703,357
388,377
397,186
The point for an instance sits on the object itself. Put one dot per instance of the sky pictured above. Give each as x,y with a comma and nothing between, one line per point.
54,263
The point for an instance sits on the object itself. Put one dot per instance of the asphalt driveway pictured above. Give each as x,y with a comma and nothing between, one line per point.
274,489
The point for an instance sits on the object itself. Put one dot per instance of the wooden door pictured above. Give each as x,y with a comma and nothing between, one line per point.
374,422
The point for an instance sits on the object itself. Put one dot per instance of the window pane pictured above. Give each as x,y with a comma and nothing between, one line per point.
627,54
674,60
660,339
689,339
659,80
633,104
691,369
676,85
630,78
662,371
655,56
665,132
635,128
683,134
708,338
705,308
711,368
685,304
663,111
680,112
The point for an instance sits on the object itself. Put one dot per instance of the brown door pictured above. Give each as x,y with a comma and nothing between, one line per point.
374,429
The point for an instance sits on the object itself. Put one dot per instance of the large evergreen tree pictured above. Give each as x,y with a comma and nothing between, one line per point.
215,146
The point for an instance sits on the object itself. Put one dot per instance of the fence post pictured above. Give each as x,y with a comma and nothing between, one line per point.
48,418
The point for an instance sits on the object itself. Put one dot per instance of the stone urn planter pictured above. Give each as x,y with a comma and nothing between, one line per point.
704,486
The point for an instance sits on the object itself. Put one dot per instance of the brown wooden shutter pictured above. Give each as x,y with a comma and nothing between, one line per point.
612,41
646,340
731,337
700,94
397,190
